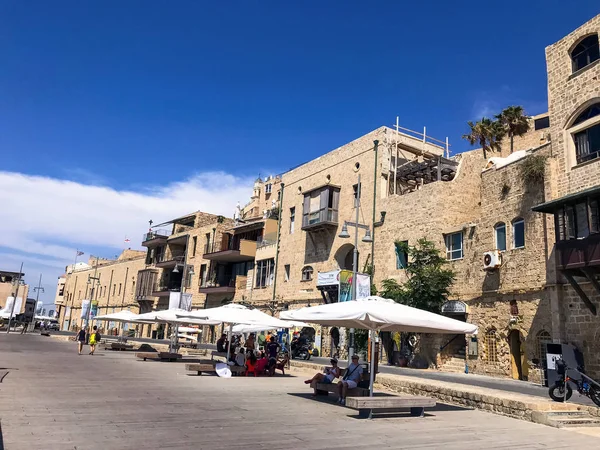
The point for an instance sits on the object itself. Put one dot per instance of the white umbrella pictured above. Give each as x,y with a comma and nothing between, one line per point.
121,316
235,314
379,314
255,328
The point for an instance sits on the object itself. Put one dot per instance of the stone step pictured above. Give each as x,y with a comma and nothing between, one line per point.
567,419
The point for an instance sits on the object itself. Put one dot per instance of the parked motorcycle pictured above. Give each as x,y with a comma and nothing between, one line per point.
301,351
561,391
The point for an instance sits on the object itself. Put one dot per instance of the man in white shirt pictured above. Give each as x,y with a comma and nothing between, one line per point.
350,380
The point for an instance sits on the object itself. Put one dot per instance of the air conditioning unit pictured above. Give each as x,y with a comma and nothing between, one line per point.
492,260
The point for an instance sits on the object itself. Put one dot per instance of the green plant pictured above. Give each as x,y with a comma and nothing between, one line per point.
514,121
428,284
534,168
487,133
505,190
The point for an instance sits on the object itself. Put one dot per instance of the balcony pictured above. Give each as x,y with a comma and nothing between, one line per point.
170,261
579,253
321,219
232,251
164,290
226,286
156,237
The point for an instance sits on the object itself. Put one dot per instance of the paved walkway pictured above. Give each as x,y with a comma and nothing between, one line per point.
54,399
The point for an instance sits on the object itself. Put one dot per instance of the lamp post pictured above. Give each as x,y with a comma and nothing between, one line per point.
367,238
12,307
91,281
37,289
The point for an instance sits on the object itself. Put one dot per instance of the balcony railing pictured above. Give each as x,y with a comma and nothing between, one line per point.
231,250
579,253
320,218
155,234
219,286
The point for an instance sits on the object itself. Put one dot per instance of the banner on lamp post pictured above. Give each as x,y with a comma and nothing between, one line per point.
85,309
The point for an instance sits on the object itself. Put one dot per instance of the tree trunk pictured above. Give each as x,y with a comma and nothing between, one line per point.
484,153
511,142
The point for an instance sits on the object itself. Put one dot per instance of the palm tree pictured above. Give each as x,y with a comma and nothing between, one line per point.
487,133
514,121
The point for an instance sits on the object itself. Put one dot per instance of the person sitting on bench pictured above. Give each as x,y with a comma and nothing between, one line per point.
222,344
252,365
240,358
327,377
350,381
261,364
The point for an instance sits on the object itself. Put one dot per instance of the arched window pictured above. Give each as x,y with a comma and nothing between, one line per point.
491,349
518,228
500,233
542,339
587,141
307,273
586,52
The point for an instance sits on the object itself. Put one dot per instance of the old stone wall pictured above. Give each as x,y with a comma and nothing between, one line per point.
568,94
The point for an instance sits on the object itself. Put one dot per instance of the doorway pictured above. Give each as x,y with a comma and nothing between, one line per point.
518,357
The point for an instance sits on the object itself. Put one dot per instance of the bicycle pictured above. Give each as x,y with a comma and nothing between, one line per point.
561,391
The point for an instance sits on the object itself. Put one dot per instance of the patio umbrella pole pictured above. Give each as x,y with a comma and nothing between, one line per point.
229,345
372,380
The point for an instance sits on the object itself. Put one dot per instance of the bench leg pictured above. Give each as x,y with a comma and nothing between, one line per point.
365,413
199,373
417,412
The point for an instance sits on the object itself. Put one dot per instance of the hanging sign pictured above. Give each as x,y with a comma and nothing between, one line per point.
454,307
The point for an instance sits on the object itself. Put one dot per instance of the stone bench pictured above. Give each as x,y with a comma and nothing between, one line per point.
118,346
367,405
219,354
159,356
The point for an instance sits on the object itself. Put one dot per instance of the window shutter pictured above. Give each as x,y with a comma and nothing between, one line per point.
594,216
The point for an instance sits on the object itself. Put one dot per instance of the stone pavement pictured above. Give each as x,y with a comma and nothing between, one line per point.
54,399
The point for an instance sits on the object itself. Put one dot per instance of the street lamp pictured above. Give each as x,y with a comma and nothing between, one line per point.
367,238
90,281
18,282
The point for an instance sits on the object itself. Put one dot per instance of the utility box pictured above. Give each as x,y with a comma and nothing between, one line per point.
568,353
472,347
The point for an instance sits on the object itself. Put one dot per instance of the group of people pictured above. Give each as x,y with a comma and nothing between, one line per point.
91,337
258,360
352,376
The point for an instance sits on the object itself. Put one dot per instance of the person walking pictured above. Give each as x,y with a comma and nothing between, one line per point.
94,339
81,339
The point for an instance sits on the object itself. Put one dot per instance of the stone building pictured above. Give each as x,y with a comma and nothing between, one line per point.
110,283
8,288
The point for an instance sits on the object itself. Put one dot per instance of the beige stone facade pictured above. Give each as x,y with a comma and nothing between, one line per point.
113,289
8,289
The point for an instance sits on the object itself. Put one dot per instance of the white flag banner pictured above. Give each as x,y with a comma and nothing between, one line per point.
85,309
10,301
363,285
174,298
186,302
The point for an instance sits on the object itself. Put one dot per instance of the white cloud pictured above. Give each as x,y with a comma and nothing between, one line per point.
46,219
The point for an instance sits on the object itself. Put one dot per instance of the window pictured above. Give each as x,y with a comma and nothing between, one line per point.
585,53
292,219
203,273
120,285
320,205
542,339
401,254
594,216
114,289
207,248
578,221
454,247
194,245
500,232
587,144
268,188
357,188
188,276
491,349
286,272
514,308
541,123
518,227
264,272
307,273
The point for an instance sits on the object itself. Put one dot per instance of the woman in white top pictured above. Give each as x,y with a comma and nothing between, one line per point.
240,358
330,374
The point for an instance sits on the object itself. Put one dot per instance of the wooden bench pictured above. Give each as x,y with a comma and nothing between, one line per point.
118,346
209,366
326,388
159,356
220,354
367,405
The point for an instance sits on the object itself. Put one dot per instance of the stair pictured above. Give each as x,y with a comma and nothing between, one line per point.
568,419
455,364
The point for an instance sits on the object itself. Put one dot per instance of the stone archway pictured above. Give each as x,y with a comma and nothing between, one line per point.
344,257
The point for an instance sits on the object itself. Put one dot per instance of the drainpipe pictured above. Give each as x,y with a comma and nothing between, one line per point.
278,239
376,145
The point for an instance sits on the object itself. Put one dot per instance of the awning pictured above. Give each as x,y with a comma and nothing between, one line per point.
552,205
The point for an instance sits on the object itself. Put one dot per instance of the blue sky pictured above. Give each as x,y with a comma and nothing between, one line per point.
96,96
